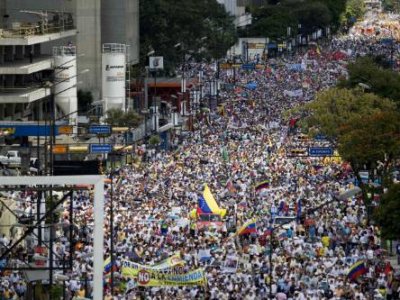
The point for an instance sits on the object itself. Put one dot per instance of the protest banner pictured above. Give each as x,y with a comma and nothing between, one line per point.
147,277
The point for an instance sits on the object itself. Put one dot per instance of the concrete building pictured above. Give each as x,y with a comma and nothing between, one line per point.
24,64
238,10
95,22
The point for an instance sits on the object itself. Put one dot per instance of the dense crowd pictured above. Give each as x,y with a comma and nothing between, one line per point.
232,149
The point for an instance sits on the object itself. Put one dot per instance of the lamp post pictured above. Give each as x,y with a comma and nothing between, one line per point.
146,94
112,229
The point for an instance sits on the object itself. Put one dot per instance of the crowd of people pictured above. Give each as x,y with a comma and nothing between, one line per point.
232,149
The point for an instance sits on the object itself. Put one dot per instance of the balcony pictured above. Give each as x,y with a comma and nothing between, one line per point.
8,38
24,67
23,94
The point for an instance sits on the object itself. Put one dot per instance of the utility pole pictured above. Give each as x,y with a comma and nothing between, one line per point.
112,229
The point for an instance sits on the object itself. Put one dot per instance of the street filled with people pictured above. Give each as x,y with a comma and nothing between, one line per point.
237,209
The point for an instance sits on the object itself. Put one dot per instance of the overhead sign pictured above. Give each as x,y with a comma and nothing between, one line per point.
18,130
225,66
156,62
65,129
100,148
59,149
320,137
248,67
320,151
100,129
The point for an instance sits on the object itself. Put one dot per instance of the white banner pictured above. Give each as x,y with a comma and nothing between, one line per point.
295,93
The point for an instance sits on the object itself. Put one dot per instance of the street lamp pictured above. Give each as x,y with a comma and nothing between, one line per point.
145,110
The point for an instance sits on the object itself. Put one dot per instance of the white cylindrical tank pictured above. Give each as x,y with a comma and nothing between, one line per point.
65,91
113,76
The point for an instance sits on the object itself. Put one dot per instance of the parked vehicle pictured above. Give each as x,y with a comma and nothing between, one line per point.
11,159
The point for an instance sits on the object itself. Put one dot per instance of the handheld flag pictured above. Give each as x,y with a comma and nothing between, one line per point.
356,270
208,205
262,185
108,267
248,227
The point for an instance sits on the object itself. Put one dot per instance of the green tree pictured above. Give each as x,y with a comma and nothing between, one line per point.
336,108
154,140
271,20
364,126
383,82
117,117
164,23
391,5
355,9
368,139
387,214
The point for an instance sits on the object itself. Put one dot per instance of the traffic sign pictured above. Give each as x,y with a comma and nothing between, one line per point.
320,151
100,129
320,137
248,66
100,148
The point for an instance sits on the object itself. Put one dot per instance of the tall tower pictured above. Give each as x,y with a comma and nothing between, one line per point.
114,76
120,24
65,82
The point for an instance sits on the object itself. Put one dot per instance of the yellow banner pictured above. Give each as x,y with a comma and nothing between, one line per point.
131,269
146,277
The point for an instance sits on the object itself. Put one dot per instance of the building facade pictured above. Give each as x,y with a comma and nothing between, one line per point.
95,22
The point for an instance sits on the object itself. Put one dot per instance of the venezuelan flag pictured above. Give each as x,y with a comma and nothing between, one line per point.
208,205
248,227
108,266
356,270
262,185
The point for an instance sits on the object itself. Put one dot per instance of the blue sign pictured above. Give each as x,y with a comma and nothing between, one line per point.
100,129
100,148
30,129
248,66
320,151
320,137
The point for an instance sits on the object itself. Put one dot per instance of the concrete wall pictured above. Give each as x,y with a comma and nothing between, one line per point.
88,43
230,6
120,24
97,22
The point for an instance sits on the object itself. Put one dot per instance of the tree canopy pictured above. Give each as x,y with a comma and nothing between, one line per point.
381,81
117,117
335,109
371,138
272,19
164,23
387,214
